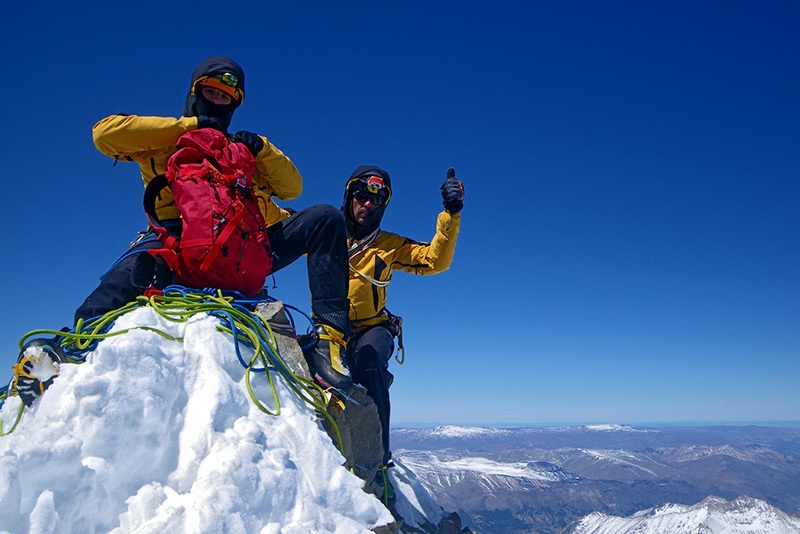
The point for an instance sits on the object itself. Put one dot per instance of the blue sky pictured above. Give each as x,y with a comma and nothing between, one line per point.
630,243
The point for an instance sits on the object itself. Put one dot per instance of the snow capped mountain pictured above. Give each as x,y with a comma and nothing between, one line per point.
753,453
713,515
613,428
158,432
443,471
542,479
465,431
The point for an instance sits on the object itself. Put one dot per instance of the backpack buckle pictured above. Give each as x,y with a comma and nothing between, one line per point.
241,180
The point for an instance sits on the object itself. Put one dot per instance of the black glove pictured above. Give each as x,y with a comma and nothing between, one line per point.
250,140
204,121
452,193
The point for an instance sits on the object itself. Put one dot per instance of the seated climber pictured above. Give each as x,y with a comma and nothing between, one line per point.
216,91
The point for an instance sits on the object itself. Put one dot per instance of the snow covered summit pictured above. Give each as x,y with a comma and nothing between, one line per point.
158,435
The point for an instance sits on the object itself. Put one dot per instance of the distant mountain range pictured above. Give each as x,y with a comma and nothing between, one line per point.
545,479
711,516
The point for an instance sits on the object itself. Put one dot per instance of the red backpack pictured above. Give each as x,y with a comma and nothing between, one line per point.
224,241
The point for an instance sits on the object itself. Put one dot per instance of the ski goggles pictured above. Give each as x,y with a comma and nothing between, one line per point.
371,188
363,197
227,83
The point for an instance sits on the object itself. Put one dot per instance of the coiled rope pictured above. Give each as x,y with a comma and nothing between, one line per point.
178,304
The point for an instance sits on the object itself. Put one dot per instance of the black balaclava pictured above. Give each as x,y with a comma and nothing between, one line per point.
196,105
374,221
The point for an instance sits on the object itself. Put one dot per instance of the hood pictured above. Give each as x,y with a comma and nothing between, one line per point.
374,220
196,106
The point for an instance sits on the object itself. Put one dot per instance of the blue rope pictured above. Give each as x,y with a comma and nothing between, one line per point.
97,327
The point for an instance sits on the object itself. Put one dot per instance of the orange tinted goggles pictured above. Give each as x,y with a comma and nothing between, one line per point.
227,83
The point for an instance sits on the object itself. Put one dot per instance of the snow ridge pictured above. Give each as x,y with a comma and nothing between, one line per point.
151,435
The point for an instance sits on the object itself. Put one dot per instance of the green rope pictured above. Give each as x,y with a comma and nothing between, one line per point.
179,307
16,421
86,334
388,492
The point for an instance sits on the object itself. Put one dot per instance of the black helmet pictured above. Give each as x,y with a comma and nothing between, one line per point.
222,73
371,181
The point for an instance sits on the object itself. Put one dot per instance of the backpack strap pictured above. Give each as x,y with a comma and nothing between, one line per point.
223,238
171,244
151,193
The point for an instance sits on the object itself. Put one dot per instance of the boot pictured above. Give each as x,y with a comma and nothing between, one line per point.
328,360
36,368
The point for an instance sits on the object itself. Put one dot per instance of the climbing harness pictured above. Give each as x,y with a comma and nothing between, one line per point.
397,322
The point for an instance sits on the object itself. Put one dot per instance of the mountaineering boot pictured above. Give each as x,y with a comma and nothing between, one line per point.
328,360
36,368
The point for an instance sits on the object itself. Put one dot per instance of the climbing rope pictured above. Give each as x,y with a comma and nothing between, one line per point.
3,395
179,304
385,484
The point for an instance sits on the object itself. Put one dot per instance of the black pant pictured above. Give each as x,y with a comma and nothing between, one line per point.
117,286
368,360
318,231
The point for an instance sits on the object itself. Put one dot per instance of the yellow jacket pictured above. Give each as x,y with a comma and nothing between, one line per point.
371,266
150,141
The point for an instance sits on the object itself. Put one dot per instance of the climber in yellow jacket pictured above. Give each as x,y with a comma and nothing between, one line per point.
374,254
216,91
150,141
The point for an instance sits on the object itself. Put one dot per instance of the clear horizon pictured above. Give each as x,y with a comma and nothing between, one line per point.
779,424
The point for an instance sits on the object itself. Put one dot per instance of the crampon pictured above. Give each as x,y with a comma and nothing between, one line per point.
38,365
